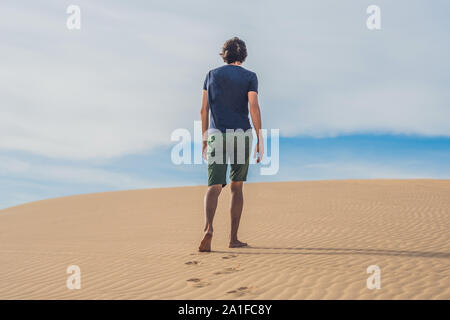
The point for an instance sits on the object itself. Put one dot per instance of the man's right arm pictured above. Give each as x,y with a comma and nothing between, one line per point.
255,114
204,114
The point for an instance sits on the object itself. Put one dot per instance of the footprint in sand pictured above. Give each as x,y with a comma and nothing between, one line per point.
228,270
198,283
231,256
193,262
239,291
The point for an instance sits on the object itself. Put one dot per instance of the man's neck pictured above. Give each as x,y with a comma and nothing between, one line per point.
235,64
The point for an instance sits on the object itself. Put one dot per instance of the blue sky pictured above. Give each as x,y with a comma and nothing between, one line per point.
92,110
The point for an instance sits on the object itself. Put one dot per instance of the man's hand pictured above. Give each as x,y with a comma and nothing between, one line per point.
204,150
259,150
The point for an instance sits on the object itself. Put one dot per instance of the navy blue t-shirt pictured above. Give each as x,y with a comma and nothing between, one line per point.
228,88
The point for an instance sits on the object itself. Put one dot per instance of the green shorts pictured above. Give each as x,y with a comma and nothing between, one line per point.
228,148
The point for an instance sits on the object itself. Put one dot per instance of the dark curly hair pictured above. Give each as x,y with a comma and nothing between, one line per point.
234,50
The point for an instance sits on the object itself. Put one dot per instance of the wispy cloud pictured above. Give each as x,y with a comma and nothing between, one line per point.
20,169
363,170
114,91
133,73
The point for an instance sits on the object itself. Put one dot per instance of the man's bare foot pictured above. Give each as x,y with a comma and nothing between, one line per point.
205,245
237,244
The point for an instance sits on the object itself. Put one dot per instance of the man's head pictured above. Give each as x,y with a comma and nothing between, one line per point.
234,50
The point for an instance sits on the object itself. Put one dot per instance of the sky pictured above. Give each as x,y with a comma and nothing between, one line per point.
93,110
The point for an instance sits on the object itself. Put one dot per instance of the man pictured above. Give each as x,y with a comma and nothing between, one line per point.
229,92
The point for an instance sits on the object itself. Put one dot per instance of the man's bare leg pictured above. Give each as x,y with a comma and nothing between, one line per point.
211,198
237,203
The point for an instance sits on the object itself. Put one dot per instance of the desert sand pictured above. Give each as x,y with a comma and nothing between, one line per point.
309,240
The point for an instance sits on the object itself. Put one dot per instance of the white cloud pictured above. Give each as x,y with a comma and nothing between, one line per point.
398,110
362,170
132,74
29,171
103,92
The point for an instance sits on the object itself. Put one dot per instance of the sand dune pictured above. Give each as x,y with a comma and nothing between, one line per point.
310,240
